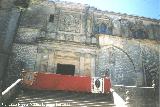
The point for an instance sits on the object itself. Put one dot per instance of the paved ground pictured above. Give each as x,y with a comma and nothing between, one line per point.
60,98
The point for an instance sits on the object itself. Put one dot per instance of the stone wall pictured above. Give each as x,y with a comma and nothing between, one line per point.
9,18
24,57
130,61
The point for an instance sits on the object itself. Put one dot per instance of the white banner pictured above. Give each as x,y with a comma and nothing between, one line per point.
97,85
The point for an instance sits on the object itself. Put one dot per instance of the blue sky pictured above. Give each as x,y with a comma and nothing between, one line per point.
146,8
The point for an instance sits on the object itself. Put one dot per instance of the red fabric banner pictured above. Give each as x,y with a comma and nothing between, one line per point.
49,81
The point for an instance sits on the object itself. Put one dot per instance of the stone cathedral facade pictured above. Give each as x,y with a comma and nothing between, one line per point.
56,33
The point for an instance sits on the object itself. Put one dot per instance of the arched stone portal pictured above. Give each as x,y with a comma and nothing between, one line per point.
132,62
120,65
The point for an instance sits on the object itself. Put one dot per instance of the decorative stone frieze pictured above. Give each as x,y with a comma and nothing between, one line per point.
70,22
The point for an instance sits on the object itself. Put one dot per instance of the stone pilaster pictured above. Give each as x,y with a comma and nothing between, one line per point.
37,68
93,66
51,63
82,64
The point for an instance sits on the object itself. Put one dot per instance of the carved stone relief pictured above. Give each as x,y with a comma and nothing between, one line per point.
89,24
139,31
116,27
70,22
125,28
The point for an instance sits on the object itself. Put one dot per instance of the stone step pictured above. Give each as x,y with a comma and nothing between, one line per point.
61,98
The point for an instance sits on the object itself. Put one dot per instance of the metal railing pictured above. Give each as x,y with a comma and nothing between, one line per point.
10,91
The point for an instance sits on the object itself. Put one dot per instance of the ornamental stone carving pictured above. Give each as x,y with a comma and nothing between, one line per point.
70,23
116,27
125,28
139,31
103,26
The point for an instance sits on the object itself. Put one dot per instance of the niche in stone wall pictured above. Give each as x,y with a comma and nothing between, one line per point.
65,69
103,26
66,58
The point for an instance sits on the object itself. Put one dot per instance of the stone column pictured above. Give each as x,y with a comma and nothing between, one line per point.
50,63
75,60
81,64
93,65
38,59
55,61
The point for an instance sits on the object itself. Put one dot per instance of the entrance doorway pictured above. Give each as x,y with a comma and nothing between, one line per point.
65,69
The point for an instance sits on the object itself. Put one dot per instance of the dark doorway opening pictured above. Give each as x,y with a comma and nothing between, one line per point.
65,69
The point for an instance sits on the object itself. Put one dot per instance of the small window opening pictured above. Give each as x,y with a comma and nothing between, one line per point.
51,18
